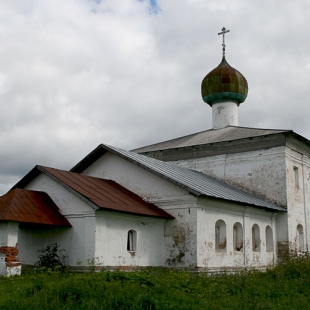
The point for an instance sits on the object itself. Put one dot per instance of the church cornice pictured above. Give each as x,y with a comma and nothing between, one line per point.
219,148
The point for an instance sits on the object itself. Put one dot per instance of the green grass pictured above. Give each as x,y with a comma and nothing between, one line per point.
285,287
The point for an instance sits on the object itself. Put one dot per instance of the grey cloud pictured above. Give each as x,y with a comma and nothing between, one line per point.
74,74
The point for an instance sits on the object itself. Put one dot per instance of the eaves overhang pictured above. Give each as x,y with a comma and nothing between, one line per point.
270,207
213,137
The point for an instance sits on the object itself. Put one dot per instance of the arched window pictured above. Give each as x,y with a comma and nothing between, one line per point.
255,238
132,241
238,237
300,238
220,236
269,239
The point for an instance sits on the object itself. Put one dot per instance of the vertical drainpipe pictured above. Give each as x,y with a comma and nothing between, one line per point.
274,237
244,250
305,204
225,167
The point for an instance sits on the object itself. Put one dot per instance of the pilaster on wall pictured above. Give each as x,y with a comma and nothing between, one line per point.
247,241
9,263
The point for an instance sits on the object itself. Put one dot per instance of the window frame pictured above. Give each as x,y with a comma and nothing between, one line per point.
131,240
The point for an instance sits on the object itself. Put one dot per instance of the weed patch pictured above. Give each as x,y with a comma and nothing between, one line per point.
284,287
52,259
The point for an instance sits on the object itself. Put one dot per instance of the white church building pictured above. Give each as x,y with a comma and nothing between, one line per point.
226,198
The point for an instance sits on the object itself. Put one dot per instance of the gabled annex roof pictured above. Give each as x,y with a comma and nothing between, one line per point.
196,183
98,193
229,133
32,207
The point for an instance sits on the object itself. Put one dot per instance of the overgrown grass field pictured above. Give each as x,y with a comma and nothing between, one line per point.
285,287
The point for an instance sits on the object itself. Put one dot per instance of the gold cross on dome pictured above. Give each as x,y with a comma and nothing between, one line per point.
223,33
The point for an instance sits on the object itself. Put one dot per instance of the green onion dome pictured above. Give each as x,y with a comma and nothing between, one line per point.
224,83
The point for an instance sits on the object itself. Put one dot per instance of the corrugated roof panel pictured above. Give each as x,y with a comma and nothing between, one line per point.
196,182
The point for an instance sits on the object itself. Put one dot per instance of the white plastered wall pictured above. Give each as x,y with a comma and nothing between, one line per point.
100,237
111,240
209,212
261,172
8,233
136,179
78,241
298,196
179,234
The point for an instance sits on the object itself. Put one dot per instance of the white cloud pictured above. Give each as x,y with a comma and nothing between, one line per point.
77,73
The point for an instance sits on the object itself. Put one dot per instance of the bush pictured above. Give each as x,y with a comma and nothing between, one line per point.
52,258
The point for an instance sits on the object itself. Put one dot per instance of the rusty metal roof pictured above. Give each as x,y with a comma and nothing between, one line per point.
99,193
26,206
196,183
229,133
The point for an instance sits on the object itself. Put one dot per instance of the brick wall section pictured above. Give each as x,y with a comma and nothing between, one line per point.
11,253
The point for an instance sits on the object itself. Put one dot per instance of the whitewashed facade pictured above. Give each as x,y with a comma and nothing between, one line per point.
256,215
279,174
206,233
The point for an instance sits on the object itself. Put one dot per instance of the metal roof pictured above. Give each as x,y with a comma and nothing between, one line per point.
26,206
104,194
229,133
193,181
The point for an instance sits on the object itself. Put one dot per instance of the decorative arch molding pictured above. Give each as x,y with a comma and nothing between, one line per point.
256,238
238,237
269,239
220,236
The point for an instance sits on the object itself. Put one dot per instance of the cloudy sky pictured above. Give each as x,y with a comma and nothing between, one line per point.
77,73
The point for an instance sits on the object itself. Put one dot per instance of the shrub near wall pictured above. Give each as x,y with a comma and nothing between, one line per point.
52,258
